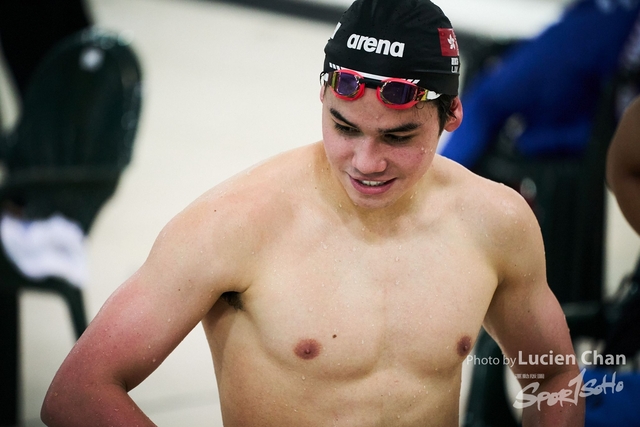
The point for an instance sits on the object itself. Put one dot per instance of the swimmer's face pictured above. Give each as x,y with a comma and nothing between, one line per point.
377,153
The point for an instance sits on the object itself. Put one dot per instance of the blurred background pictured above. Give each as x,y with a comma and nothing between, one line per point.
210,109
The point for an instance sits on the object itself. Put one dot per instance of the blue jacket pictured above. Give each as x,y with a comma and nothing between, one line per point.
553,82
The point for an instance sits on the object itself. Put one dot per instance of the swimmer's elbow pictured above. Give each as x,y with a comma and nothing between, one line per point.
66,403
59,406
52,411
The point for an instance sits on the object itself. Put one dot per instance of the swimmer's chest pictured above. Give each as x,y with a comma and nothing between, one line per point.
355,305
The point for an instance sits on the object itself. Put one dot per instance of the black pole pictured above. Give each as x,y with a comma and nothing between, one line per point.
9,353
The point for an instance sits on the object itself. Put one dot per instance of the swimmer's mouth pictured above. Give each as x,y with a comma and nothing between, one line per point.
373,183
368,186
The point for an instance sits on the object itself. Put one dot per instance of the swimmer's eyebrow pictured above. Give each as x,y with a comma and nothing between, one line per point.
340,117
407,127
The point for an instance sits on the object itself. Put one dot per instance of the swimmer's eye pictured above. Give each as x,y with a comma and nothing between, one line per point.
346,130
390,138
397,139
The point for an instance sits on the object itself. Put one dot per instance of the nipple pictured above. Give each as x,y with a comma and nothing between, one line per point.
307,349
464,346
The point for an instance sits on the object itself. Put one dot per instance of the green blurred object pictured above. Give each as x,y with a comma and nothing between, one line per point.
75,135
64,156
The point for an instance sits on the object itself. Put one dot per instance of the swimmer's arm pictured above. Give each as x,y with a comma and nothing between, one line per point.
142,322
623,165
525,317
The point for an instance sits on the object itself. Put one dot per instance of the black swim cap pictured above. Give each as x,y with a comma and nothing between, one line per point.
409,39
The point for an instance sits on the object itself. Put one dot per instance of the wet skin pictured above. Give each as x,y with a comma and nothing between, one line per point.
358,313
339,284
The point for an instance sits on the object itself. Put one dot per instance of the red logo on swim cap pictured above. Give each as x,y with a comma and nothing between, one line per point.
448,42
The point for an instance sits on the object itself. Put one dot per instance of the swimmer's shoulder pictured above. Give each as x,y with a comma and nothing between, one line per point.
275,180
219,237
261,196
468,184
498,205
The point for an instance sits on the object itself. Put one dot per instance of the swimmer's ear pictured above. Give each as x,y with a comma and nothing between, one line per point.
455,115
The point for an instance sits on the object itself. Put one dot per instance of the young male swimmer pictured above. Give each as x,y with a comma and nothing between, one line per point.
352,297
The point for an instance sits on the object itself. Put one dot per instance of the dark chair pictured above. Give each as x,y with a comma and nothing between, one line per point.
75,135
567,196
65,157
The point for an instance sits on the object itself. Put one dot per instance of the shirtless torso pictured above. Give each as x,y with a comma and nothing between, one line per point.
339,284
346,325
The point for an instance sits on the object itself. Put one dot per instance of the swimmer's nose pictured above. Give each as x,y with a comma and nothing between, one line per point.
368,157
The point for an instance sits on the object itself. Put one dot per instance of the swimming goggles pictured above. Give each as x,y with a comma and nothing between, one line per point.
394,93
